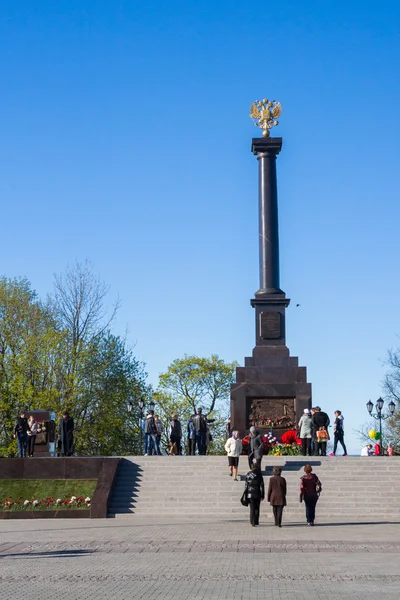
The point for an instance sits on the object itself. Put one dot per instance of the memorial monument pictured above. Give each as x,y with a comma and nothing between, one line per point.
271,390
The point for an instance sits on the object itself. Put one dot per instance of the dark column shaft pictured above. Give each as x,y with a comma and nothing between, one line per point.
269,235
266,151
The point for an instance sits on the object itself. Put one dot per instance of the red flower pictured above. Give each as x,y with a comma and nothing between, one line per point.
290,437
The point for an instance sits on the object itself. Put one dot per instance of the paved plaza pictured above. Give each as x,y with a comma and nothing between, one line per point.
95,560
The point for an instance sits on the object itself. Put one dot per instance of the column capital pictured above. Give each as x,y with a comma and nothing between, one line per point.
266,145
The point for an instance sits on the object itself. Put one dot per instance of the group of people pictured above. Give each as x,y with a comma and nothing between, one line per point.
234,447
376,450
198,435
26,431
254,493
314,434
310,489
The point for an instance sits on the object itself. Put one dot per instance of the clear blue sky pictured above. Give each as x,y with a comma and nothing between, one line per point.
125,139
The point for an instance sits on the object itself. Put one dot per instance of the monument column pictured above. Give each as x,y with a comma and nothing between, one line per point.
271,390
266,150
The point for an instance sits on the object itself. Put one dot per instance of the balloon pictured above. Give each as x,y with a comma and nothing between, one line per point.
377,435
372,433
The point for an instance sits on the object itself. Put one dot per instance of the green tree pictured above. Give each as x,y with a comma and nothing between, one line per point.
99,374
29,347
62,354
192,382
110,377
78,303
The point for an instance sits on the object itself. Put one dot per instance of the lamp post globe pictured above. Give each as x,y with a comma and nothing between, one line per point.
379,404
370,406
392,407
141,404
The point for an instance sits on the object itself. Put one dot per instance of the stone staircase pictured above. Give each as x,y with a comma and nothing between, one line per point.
199,487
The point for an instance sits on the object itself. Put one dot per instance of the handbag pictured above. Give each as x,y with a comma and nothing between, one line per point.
244,499
322,435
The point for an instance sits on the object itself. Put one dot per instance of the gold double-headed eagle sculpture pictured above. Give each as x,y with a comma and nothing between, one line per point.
265,114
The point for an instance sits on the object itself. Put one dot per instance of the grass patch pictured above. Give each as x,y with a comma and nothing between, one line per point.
14,492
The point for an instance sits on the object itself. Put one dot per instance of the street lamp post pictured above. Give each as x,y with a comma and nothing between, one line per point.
141,407
378,416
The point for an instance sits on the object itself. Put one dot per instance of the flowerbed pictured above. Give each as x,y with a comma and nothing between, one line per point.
75,502
42,495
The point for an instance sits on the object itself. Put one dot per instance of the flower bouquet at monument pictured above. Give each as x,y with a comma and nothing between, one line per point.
290,437
269,441
289,445
285,450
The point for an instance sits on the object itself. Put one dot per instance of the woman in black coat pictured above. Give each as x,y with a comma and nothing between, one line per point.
66,435
254,492
310,489
175,435
277,494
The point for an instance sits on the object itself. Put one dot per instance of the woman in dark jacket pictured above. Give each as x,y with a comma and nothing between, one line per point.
175,434
277,494
310,489
66,435
254,493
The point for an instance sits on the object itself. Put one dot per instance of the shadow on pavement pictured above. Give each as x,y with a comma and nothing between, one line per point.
50,554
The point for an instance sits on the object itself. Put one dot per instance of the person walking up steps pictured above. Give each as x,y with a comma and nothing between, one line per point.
338,433
277,494
254,493
310,489
233,447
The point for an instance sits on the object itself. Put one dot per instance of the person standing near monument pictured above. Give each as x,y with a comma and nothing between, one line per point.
191,436
200,427
175,434
33,430
21,434
310,489
367,450
228,429
157,437
305,427
233,447
338,433
150,432
277,494
320,422
256,448
66,435
254,492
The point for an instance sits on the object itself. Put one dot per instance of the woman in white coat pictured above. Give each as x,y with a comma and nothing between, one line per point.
233,447
305,426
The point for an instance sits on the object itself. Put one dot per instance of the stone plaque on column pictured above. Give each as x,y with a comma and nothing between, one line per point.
270,325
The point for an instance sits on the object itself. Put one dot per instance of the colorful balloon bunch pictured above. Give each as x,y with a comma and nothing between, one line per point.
374,435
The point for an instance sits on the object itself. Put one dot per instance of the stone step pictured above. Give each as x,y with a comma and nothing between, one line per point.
191,487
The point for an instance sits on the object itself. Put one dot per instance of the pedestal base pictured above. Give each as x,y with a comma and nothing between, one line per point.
271,386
